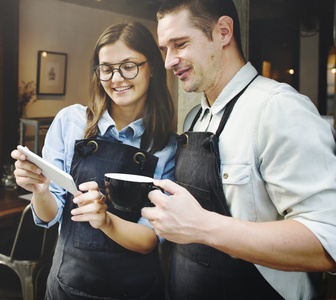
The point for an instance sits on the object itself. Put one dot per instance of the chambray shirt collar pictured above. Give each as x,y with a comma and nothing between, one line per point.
239,82
106,123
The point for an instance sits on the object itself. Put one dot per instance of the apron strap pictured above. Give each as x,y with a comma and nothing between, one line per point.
195,119
229,108
143,141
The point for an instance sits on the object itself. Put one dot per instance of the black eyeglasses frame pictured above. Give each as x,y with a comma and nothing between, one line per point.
118,69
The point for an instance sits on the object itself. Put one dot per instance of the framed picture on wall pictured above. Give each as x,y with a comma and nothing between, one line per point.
51,73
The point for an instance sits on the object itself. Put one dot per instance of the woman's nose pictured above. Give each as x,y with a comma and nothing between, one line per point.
117,76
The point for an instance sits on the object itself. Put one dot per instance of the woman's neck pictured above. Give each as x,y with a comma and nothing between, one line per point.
124,116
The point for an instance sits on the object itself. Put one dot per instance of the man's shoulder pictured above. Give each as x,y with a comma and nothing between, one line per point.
272,87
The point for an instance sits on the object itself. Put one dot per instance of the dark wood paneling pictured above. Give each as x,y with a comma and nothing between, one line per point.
9,121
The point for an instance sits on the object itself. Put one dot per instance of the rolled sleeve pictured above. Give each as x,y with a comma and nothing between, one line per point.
41,223
144,221
297,161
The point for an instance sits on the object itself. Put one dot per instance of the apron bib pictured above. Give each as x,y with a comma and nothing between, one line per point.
199,271
87,264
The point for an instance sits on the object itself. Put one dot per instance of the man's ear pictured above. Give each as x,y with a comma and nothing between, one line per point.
224,28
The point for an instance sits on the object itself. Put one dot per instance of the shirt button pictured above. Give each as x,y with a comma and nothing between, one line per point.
225,175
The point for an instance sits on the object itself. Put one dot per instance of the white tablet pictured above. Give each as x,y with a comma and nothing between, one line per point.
63,179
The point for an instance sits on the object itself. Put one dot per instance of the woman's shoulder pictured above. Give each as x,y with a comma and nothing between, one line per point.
72,112
72,109
170,146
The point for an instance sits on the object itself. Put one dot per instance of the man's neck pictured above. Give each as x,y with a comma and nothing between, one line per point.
229,71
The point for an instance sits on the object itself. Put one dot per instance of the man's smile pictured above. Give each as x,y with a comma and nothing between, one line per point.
182,73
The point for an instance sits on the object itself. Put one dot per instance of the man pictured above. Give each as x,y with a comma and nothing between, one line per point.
253,208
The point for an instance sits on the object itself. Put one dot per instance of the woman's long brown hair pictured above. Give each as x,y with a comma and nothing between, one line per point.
159,110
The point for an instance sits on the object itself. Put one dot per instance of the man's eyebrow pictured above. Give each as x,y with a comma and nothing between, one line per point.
174,40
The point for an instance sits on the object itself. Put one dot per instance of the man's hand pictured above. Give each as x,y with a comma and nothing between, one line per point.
175,217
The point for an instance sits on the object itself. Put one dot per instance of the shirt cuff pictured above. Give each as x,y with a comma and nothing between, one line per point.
41,223
144,221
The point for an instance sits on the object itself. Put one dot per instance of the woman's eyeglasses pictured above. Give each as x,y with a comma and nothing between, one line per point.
127,70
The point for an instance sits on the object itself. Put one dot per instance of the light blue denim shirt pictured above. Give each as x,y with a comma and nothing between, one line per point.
69,125
277,162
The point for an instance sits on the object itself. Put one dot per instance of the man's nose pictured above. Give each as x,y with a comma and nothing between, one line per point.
171,60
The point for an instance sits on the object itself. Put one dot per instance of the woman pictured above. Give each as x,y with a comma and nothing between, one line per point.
103,253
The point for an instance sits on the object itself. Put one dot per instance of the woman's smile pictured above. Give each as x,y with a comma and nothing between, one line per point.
123,88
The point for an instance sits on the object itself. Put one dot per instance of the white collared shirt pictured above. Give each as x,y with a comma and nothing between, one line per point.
277,162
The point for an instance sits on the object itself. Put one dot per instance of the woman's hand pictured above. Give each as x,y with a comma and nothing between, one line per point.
92,208
91,205
28,175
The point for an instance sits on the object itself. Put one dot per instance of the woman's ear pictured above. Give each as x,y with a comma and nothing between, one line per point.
224,28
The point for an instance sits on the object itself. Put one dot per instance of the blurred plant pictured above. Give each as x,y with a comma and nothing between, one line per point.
27,96
8,178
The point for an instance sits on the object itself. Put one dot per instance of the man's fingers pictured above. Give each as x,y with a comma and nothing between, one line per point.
148,213
169,186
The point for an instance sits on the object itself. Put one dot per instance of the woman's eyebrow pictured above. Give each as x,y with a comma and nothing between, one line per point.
124,60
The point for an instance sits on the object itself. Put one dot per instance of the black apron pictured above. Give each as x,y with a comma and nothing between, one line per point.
199,271
87,264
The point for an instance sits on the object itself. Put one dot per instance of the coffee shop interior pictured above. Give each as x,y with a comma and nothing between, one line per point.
291,41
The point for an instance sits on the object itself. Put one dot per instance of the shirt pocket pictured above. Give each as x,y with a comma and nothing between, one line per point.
238,189
236,174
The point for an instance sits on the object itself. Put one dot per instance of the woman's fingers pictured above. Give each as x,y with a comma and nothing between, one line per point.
88,197
27,175
92,208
